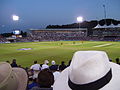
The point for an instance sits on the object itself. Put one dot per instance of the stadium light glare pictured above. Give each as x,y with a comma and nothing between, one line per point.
80,19
15,18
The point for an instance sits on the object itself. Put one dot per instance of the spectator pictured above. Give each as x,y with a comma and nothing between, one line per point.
32,84
53,66
14,64
30,74
8,62
117,61
89,70
110,60
62,66
12,78
45,80
54,69
45,65
36,69
69,63
35,66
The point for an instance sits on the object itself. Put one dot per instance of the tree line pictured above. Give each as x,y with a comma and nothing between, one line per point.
86,24
24,34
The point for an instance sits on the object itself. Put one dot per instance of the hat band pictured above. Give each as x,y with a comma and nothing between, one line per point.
93,85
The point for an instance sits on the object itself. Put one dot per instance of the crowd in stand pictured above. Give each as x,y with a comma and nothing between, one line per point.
88,38
64,36
58,36
3,40
50,36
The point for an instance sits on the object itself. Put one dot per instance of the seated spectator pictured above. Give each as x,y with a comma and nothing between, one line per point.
54,69
117,60
8,62
62,66
53,66
12,78
110,60
45,65
30,74
36,69
69,63
45,80
33,84
14,64
89,70
35,66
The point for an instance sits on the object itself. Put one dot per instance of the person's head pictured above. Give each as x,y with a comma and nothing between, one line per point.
53,62
35,62
20,66
14,60
69,62
62,63
8,61
110,60
12,78
41,65
45,78
46,62
89,70
117,60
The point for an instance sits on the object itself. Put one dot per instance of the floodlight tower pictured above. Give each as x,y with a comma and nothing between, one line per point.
104,10
79,20
15,18
105,15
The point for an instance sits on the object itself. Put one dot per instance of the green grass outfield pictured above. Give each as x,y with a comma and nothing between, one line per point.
58,51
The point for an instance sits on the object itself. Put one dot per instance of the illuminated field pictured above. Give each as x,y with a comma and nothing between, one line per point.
26,53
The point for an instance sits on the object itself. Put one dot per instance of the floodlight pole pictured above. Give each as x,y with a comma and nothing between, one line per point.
79,19
104,11
14,19
79,25
105,16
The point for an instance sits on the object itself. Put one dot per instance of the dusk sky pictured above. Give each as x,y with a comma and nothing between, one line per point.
40,13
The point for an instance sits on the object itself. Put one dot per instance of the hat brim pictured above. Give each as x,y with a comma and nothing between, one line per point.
22,78
62,82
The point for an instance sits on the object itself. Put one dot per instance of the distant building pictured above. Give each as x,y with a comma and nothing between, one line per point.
111,30
107,32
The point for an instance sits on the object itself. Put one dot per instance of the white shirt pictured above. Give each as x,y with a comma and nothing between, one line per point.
35,67
56,74
44,66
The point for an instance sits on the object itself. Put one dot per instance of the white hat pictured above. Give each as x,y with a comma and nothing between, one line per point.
53,62
89,70
12,78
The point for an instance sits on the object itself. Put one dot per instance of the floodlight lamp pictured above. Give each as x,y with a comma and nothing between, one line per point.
15,18
80,19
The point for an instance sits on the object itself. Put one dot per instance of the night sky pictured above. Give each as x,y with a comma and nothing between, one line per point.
40,13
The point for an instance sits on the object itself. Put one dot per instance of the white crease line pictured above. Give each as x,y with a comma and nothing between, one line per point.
103,45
